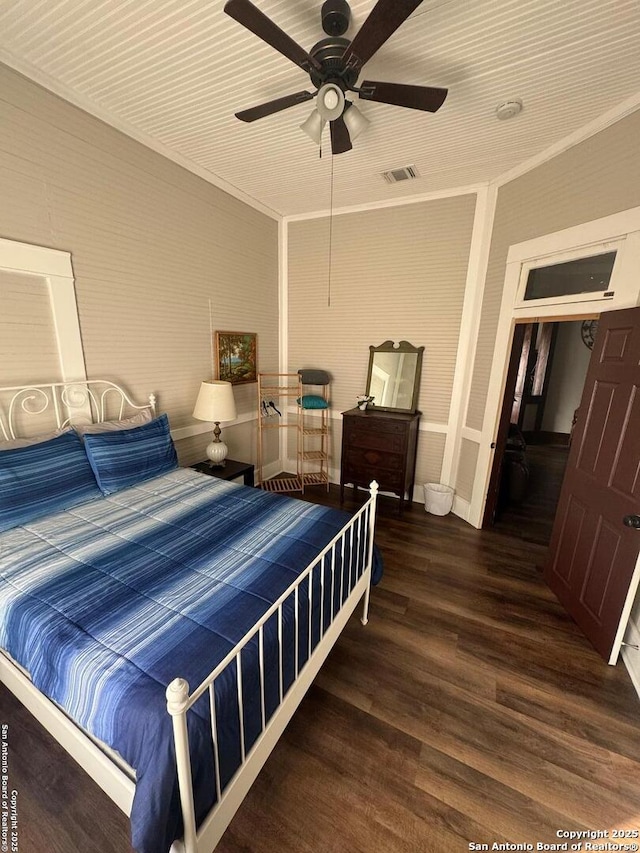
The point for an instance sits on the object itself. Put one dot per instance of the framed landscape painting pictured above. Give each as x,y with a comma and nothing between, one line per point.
237,357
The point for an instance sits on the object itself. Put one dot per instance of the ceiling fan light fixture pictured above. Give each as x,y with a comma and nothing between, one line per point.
355,121
330,101
334,65
313,126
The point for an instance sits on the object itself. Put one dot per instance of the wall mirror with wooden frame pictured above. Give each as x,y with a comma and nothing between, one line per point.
394,374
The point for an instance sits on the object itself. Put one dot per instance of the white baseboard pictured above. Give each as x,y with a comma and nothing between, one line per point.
461,508
272,469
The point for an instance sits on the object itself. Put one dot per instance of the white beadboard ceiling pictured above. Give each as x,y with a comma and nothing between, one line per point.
173,72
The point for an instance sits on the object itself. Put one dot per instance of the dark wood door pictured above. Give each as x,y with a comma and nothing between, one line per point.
593,553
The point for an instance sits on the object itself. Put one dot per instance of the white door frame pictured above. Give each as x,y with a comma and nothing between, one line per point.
621,229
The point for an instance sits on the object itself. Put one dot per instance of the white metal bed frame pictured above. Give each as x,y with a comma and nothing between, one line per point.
87,401
69,399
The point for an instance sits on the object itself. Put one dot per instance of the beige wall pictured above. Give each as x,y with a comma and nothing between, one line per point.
151,246
160,255
598,177
28,345
396,274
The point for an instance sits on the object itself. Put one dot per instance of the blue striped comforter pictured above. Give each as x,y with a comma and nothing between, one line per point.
108,602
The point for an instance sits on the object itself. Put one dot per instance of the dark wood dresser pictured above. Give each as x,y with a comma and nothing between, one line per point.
379,446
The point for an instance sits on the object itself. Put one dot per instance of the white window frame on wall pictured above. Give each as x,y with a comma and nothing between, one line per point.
620,231
55,267
616,246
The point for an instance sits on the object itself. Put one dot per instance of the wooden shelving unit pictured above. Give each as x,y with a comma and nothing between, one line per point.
276,392
313,441
279,408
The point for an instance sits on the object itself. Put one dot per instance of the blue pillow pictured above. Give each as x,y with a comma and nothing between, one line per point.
125,457
43,478
312,401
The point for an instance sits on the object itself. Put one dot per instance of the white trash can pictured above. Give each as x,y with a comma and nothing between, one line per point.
438,499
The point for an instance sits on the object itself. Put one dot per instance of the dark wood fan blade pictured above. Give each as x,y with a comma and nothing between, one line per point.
425,98
340,140
384,19
245,13
271,107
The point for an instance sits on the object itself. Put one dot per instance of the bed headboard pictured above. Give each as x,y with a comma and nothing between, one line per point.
32,409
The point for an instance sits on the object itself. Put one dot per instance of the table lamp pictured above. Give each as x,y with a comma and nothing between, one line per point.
215,403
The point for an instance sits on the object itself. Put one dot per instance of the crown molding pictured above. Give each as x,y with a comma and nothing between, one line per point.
35,75
471,189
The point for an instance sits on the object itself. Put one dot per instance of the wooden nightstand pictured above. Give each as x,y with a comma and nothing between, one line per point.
231,470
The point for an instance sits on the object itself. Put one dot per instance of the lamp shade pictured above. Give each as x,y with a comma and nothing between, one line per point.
355,121
330,101
215,402
314,126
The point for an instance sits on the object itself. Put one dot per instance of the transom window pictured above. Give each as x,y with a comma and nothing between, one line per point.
571,278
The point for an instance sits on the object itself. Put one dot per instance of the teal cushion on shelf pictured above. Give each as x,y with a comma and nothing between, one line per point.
312,401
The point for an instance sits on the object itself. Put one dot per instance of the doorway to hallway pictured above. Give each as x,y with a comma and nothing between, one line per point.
550,362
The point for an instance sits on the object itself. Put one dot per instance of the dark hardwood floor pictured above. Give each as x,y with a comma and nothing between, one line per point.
469,709
532,519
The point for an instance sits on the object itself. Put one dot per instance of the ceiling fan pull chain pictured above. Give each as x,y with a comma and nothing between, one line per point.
330,236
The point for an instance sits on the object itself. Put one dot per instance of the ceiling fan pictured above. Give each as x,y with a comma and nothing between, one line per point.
334,65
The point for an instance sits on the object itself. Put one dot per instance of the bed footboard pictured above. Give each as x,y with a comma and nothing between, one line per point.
333,583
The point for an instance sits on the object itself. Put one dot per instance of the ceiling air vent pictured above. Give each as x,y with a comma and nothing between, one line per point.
404,173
